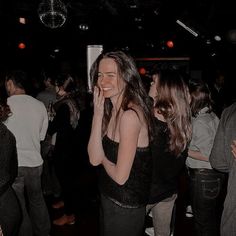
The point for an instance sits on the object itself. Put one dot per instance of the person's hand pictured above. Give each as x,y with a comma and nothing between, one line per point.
233,146
98,102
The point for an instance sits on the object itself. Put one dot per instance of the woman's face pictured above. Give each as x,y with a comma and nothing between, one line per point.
153,86
109,81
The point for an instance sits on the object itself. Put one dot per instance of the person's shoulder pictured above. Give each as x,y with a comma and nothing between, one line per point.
35,102
132,118
230,110
130,114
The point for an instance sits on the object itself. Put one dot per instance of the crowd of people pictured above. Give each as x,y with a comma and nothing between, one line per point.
139,142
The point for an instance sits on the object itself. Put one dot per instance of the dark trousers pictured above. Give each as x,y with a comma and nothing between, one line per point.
10,213
66,173
119,221
205,192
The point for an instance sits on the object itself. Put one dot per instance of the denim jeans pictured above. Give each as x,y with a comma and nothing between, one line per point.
28,189
205,190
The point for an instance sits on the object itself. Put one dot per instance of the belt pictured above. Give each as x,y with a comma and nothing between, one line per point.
201,171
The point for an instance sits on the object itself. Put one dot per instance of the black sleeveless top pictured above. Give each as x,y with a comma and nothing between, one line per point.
166,165
134,193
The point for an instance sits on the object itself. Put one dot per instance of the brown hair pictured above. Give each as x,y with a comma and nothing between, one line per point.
5,111
134,91
172,102
200,97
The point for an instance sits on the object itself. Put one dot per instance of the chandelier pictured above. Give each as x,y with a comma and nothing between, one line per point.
52,13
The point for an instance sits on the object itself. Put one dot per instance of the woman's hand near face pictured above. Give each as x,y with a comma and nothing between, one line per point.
233,146
98,102
95,148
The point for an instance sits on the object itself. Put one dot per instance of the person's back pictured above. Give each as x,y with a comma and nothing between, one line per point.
168,145
29,123
48,94
222,159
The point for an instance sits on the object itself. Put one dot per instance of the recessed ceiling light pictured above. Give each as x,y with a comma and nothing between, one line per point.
83,27
217,38
137,19
22,20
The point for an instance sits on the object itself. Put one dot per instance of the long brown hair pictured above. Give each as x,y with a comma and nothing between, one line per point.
172,102
134,91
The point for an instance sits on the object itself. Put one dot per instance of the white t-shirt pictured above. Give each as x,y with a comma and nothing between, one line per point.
29,123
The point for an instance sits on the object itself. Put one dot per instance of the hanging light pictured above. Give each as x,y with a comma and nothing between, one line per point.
52,13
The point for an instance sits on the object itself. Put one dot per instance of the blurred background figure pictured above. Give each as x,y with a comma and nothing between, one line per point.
205,182
65,154
222,159
47,95
10,211
218,93
29,123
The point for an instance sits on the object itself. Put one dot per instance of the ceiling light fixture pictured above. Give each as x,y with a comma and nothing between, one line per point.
22,20
217,38
84,27
52,13
187,28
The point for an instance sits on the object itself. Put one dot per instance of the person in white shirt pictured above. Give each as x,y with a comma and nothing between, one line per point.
29,123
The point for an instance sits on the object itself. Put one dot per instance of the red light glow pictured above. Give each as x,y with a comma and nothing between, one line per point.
142,71
170,44
21,46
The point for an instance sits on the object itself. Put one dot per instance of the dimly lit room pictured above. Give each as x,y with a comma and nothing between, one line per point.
49,39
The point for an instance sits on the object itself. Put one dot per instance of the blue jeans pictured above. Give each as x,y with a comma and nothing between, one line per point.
27,185
205,190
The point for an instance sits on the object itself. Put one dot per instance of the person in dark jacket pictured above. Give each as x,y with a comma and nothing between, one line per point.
64,154
10,212
172,134
222,159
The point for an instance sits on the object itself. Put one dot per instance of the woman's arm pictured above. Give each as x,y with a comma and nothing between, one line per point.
202,141
95,148
197,155
129,129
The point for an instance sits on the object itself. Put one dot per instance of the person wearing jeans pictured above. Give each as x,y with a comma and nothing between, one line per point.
29,123
30,179
205,187
205,182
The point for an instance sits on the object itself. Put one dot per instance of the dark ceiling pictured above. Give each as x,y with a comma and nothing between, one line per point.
139,26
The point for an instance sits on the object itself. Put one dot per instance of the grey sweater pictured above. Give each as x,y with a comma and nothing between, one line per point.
222,159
